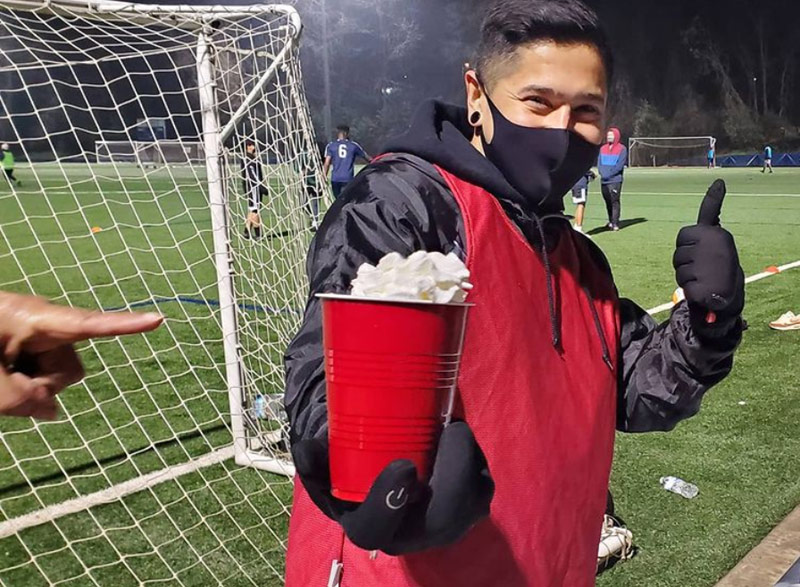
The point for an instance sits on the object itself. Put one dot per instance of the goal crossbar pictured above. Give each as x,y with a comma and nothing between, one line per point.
671,151
151,13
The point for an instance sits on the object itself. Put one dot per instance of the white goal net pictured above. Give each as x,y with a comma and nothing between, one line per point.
168,464
671,151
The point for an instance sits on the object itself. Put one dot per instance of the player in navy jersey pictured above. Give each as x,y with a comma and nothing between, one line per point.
341,154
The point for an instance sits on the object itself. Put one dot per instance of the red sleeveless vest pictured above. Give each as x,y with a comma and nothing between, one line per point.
544,417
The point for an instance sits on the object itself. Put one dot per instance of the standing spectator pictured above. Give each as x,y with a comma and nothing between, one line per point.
611,165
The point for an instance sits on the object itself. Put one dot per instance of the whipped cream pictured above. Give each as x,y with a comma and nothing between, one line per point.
432,277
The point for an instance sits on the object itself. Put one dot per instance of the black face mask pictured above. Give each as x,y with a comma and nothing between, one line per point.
542,164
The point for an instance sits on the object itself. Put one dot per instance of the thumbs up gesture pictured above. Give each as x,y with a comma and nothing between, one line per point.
707,267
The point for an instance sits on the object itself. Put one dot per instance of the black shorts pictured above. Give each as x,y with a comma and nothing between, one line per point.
338,187
579,195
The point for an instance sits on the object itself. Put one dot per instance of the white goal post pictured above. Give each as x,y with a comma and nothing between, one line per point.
169,464
671,151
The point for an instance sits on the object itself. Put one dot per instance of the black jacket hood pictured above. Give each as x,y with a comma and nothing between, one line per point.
440,134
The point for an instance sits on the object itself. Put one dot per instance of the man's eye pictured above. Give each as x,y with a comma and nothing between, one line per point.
594,110
538,100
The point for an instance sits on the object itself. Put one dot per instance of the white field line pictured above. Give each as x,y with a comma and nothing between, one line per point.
698,195
751,279
114,493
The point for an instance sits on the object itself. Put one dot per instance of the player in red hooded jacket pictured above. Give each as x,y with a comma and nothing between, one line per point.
553,359
611,165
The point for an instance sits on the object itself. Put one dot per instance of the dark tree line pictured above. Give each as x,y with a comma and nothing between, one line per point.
722,67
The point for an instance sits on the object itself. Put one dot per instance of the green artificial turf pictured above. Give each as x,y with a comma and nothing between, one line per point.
161,399
742,450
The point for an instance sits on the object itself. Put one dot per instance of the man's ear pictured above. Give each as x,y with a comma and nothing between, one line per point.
478,113
474,92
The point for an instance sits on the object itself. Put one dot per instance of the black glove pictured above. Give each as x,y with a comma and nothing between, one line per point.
401,515
707,268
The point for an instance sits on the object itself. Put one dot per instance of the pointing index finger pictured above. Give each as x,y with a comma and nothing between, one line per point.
712,204
56,325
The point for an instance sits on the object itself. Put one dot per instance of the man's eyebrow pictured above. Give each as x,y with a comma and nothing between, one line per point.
590,96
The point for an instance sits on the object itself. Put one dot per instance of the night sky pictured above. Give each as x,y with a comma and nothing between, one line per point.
727,68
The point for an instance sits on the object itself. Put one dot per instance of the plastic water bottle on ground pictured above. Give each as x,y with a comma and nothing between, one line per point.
679,486
260,407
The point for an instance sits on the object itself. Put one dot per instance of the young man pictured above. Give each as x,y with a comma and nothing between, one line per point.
711,156
341,154
8,165
580,192
611,165
254,189
553,358
767,159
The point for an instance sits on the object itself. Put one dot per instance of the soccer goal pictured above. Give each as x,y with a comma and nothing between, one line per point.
169,463
670,151
151,153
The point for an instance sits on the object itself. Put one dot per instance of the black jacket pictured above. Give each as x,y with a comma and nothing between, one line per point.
252,172
400,203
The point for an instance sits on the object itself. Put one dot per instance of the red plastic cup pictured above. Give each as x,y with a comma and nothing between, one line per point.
391,369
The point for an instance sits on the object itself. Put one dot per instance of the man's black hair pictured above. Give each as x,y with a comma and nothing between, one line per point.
343,128
510,24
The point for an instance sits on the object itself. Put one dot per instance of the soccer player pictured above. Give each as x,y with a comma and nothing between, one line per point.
767,159
37,358
611,165
8,165
580,193
255,190
553,359
711,155
341,154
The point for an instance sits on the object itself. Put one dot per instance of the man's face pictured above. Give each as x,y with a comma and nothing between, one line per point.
610,137
548,85
251,149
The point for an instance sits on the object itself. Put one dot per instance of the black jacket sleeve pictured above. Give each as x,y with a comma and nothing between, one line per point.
402,204
667,368
398,204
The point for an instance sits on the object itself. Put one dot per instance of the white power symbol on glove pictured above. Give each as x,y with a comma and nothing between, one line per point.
400,501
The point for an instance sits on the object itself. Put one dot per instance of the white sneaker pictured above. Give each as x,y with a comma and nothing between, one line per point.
789,321
578,228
